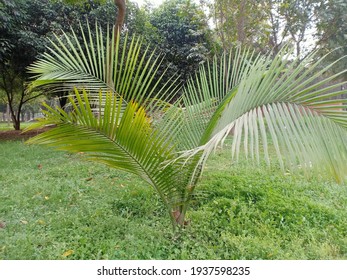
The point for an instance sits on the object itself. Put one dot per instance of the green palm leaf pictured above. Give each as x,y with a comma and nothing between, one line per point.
125,68
121,137
285,101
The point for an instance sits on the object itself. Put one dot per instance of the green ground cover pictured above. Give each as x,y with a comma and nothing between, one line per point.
6,126
55,205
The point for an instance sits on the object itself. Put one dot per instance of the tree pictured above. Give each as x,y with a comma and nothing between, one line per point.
118,17
120,123
240,22
299,18
184,36
332,30
21,47
137,21
26,27
265,25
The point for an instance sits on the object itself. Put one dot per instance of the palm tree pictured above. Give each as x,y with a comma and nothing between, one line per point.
119,115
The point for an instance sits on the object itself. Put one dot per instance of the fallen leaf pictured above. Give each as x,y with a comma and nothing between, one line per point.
176,214
2,224
39,166
34,196
41,222
24,222
89,179
46,197
67,253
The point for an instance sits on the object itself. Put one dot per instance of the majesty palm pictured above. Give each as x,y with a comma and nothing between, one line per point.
118,115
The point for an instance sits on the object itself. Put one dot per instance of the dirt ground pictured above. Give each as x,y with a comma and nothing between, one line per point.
8,135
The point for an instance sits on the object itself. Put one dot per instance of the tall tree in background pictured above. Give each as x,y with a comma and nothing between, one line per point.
298,19
138,21
24,28
240,22
265,25
118,17
184,35
332,31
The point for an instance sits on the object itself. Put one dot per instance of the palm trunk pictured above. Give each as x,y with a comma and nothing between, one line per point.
178,215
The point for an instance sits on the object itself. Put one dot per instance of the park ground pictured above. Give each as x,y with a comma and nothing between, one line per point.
55,205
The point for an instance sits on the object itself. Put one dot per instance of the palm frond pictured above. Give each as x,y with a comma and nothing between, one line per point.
126,68
280,101
121,137
123,119
204,97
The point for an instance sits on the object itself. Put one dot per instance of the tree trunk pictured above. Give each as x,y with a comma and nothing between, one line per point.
63,99
8,114
241,22
120,16
16,124
14,119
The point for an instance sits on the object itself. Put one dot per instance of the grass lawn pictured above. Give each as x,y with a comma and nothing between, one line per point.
55,205
4,125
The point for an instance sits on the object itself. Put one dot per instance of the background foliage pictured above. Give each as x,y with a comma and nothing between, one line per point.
187,33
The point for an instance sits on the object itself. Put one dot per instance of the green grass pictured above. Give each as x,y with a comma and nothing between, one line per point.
55,203
5,126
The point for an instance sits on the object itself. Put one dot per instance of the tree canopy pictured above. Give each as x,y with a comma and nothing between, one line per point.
184,32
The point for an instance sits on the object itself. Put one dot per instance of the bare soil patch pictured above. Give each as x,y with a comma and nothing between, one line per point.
12,135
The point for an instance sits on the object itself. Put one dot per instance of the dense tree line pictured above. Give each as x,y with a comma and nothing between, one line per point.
186,33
